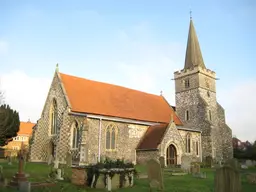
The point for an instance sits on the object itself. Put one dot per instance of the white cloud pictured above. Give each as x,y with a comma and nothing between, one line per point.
4,47
25,94
240,105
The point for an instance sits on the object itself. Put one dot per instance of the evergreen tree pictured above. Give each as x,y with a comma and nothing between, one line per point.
9,124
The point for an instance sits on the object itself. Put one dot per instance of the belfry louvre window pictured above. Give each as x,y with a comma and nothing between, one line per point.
111,133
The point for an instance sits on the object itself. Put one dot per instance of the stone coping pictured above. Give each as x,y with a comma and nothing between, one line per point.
104,170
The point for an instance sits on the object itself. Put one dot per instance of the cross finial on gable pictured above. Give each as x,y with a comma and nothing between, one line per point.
161,92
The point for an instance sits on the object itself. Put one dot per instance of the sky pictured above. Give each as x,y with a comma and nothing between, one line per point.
133,43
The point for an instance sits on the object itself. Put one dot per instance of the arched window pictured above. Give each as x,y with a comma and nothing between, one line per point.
53,117
197,148
111,133
75,135
188,143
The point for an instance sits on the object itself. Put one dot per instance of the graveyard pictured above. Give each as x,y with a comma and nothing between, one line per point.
193,178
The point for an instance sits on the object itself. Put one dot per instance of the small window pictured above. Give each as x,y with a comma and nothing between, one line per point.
197,148
187,115
187,84
188,143
208,93
210,115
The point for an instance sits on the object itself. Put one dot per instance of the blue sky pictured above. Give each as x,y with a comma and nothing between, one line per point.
137,44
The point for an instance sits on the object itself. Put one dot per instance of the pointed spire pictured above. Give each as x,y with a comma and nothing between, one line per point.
193,54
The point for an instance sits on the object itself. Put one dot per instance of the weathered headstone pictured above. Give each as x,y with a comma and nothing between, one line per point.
233,163
244,166
9,158
24,186
68,159
56,164
50,160
195,168
1,174
162,162
155,174
249,163
227,179
208,161
251,178
185,163
59,175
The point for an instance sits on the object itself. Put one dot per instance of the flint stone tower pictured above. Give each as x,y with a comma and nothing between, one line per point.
196,103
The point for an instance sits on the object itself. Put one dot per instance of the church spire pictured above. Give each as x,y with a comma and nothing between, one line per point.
193,54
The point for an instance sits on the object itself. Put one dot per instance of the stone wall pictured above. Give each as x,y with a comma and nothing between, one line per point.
128,137
42,137
143,156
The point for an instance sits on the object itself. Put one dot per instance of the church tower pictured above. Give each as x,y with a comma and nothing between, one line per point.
196,104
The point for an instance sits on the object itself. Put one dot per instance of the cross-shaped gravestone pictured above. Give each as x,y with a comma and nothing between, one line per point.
155,174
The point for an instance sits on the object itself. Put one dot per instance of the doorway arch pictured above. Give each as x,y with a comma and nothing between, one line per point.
171,155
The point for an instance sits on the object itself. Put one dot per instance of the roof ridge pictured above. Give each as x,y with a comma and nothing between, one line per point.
110,84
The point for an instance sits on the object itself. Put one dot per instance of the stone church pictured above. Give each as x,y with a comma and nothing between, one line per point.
91,120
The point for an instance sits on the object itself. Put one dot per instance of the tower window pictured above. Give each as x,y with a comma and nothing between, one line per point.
187,115
188,143
208,93
187,84
210,115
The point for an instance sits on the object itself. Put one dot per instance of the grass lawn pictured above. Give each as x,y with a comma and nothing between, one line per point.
39,172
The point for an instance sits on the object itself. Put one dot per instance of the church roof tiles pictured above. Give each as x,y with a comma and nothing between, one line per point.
93,97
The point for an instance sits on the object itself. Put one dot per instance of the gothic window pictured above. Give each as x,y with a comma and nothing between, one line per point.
187,83
187,115
111,133
188,143
53,117
210,115
75,135
197,148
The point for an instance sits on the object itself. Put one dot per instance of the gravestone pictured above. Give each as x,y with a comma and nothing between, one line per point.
195,168
24,186
155,174
251,178
227,179
56,164
208,161
162,162
249,163
50,160
185,163
1,174
9,158
244,166
233,163
68,159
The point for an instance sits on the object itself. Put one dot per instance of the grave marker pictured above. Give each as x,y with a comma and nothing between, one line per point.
155,174
162,162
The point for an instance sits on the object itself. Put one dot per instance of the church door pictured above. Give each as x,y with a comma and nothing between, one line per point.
171,155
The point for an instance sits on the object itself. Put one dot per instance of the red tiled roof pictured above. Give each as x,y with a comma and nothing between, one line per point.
153,136
25,128
87,96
